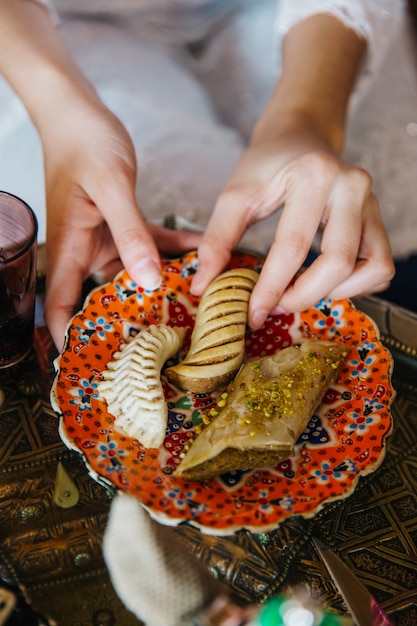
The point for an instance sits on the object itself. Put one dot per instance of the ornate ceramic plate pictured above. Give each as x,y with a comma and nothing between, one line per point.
344,440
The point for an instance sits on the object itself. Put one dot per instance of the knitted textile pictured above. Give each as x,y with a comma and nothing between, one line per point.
151,568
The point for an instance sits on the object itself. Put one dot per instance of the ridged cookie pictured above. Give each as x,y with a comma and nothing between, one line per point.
217,347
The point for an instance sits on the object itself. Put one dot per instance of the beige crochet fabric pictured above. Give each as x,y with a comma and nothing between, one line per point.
151,568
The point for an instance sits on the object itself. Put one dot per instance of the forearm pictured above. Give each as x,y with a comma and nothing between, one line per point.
321,59
36,62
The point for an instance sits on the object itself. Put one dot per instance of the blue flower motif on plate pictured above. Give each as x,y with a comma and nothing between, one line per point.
361,422
112,454
332,320
99,327
338,472
86,390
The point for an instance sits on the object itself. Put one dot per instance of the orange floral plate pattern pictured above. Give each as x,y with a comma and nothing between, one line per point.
344,440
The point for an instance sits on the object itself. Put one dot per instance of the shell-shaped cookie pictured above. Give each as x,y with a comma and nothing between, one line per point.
132,386
217,347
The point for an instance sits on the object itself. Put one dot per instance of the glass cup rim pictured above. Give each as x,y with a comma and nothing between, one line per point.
32,238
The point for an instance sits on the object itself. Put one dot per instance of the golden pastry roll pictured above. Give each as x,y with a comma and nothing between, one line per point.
264,410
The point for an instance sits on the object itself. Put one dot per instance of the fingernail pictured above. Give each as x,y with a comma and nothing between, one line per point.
278,310
197,281
147,274
257,318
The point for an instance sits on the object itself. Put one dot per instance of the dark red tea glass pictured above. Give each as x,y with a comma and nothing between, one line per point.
18,233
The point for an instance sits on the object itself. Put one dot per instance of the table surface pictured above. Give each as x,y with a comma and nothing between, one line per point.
55,553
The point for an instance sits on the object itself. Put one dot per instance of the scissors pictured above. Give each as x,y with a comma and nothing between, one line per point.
362,606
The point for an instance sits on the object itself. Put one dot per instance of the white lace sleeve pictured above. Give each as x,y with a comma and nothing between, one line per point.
371,19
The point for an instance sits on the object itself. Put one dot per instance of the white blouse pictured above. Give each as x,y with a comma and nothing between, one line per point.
168,137
369,18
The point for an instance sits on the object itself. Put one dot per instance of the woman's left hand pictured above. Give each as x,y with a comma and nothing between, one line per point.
318,192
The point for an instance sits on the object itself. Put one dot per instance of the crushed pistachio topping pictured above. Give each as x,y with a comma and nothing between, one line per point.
213,412
272,398
222,402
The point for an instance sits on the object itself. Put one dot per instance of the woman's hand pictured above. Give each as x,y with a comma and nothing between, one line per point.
293,162
94,225
318,192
